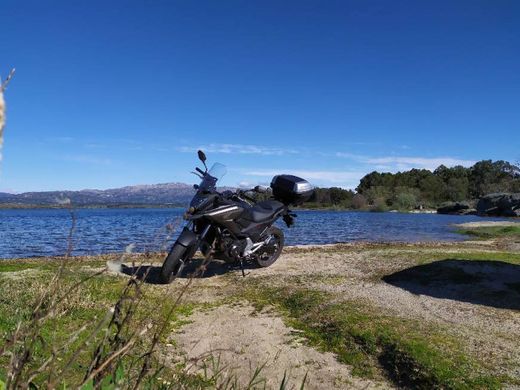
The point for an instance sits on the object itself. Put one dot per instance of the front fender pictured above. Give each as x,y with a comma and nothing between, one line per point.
187,238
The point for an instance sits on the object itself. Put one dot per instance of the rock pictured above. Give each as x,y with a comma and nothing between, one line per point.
462,208
500,205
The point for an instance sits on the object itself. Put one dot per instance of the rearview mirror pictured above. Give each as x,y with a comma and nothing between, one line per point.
202,156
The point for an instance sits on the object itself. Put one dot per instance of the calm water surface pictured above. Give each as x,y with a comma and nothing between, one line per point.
42,232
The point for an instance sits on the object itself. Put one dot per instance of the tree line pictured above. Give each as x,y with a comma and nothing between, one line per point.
419,188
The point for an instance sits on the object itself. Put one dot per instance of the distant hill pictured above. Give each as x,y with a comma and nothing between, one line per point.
170,194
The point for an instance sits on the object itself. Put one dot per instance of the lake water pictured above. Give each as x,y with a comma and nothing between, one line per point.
44,232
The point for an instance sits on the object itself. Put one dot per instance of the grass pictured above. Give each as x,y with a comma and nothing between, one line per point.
487,232
85,306
409,353
13,267
428,254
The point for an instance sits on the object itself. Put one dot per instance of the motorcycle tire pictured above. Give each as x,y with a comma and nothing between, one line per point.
173,263
267,258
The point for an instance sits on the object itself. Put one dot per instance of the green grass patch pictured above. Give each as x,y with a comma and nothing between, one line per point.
422,256
409,353
487,232
86,304
508,257
13,267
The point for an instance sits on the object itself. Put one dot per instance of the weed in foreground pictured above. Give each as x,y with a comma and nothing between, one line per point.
81,329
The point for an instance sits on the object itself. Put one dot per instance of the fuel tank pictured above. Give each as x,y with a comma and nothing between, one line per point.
232,217
224,214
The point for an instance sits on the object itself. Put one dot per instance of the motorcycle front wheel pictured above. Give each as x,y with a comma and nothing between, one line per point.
173,263
268,255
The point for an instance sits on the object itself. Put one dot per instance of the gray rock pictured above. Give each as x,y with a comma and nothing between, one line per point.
469,212
500,204
454,208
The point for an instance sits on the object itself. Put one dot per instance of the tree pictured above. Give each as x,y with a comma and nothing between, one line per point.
457,188
405,201
339,196
359,201
443,184
378,194
433,189
487,176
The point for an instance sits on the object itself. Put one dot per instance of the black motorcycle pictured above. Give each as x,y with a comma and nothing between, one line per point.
233,226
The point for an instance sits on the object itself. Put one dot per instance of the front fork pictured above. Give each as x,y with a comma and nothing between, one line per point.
191,240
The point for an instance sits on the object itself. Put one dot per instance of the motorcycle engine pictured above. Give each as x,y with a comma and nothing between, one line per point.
231,247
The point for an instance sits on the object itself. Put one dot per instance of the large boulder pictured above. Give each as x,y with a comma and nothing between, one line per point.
499,204
457,208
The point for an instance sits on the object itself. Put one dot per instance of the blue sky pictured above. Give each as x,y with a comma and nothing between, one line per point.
114,93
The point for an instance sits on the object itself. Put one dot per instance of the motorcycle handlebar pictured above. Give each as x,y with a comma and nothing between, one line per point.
200,170
242,194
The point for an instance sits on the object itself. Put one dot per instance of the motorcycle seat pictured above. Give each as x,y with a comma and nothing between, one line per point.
263,210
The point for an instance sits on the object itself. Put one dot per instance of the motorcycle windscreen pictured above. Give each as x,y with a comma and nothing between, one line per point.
216,173
218,170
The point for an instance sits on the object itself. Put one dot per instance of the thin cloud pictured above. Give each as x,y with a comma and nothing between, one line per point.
245,184
95,145
239,149
419,162
404,163
351,156
346,179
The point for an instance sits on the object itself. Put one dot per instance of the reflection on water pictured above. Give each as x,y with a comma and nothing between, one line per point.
27,233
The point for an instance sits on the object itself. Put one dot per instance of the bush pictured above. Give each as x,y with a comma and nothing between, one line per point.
359,202
405,201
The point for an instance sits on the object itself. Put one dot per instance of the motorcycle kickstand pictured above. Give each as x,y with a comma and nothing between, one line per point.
242,268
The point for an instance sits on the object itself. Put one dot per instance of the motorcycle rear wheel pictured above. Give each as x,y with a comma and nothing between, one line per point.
173,263
273,249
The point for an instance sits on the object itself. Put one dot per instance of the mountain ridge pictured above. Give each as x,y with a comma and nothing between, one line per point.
147,194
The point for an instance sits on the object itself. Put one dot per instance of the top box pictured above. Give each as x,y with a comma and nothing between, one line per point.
291,190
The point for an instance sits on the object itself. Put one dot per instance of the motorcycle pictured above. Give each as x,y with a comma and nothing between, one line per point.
232,225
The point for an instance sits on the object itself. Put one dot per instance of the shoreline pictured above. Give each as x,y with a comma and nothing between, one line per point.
180,207
338,246
465,232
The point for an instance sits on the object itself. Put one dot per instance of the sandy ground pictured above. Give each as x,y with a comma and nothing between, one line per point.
476,301
245,339
485,312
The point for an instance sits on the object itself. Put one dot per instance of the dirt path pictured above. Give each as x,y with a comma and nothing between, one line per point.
245,339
